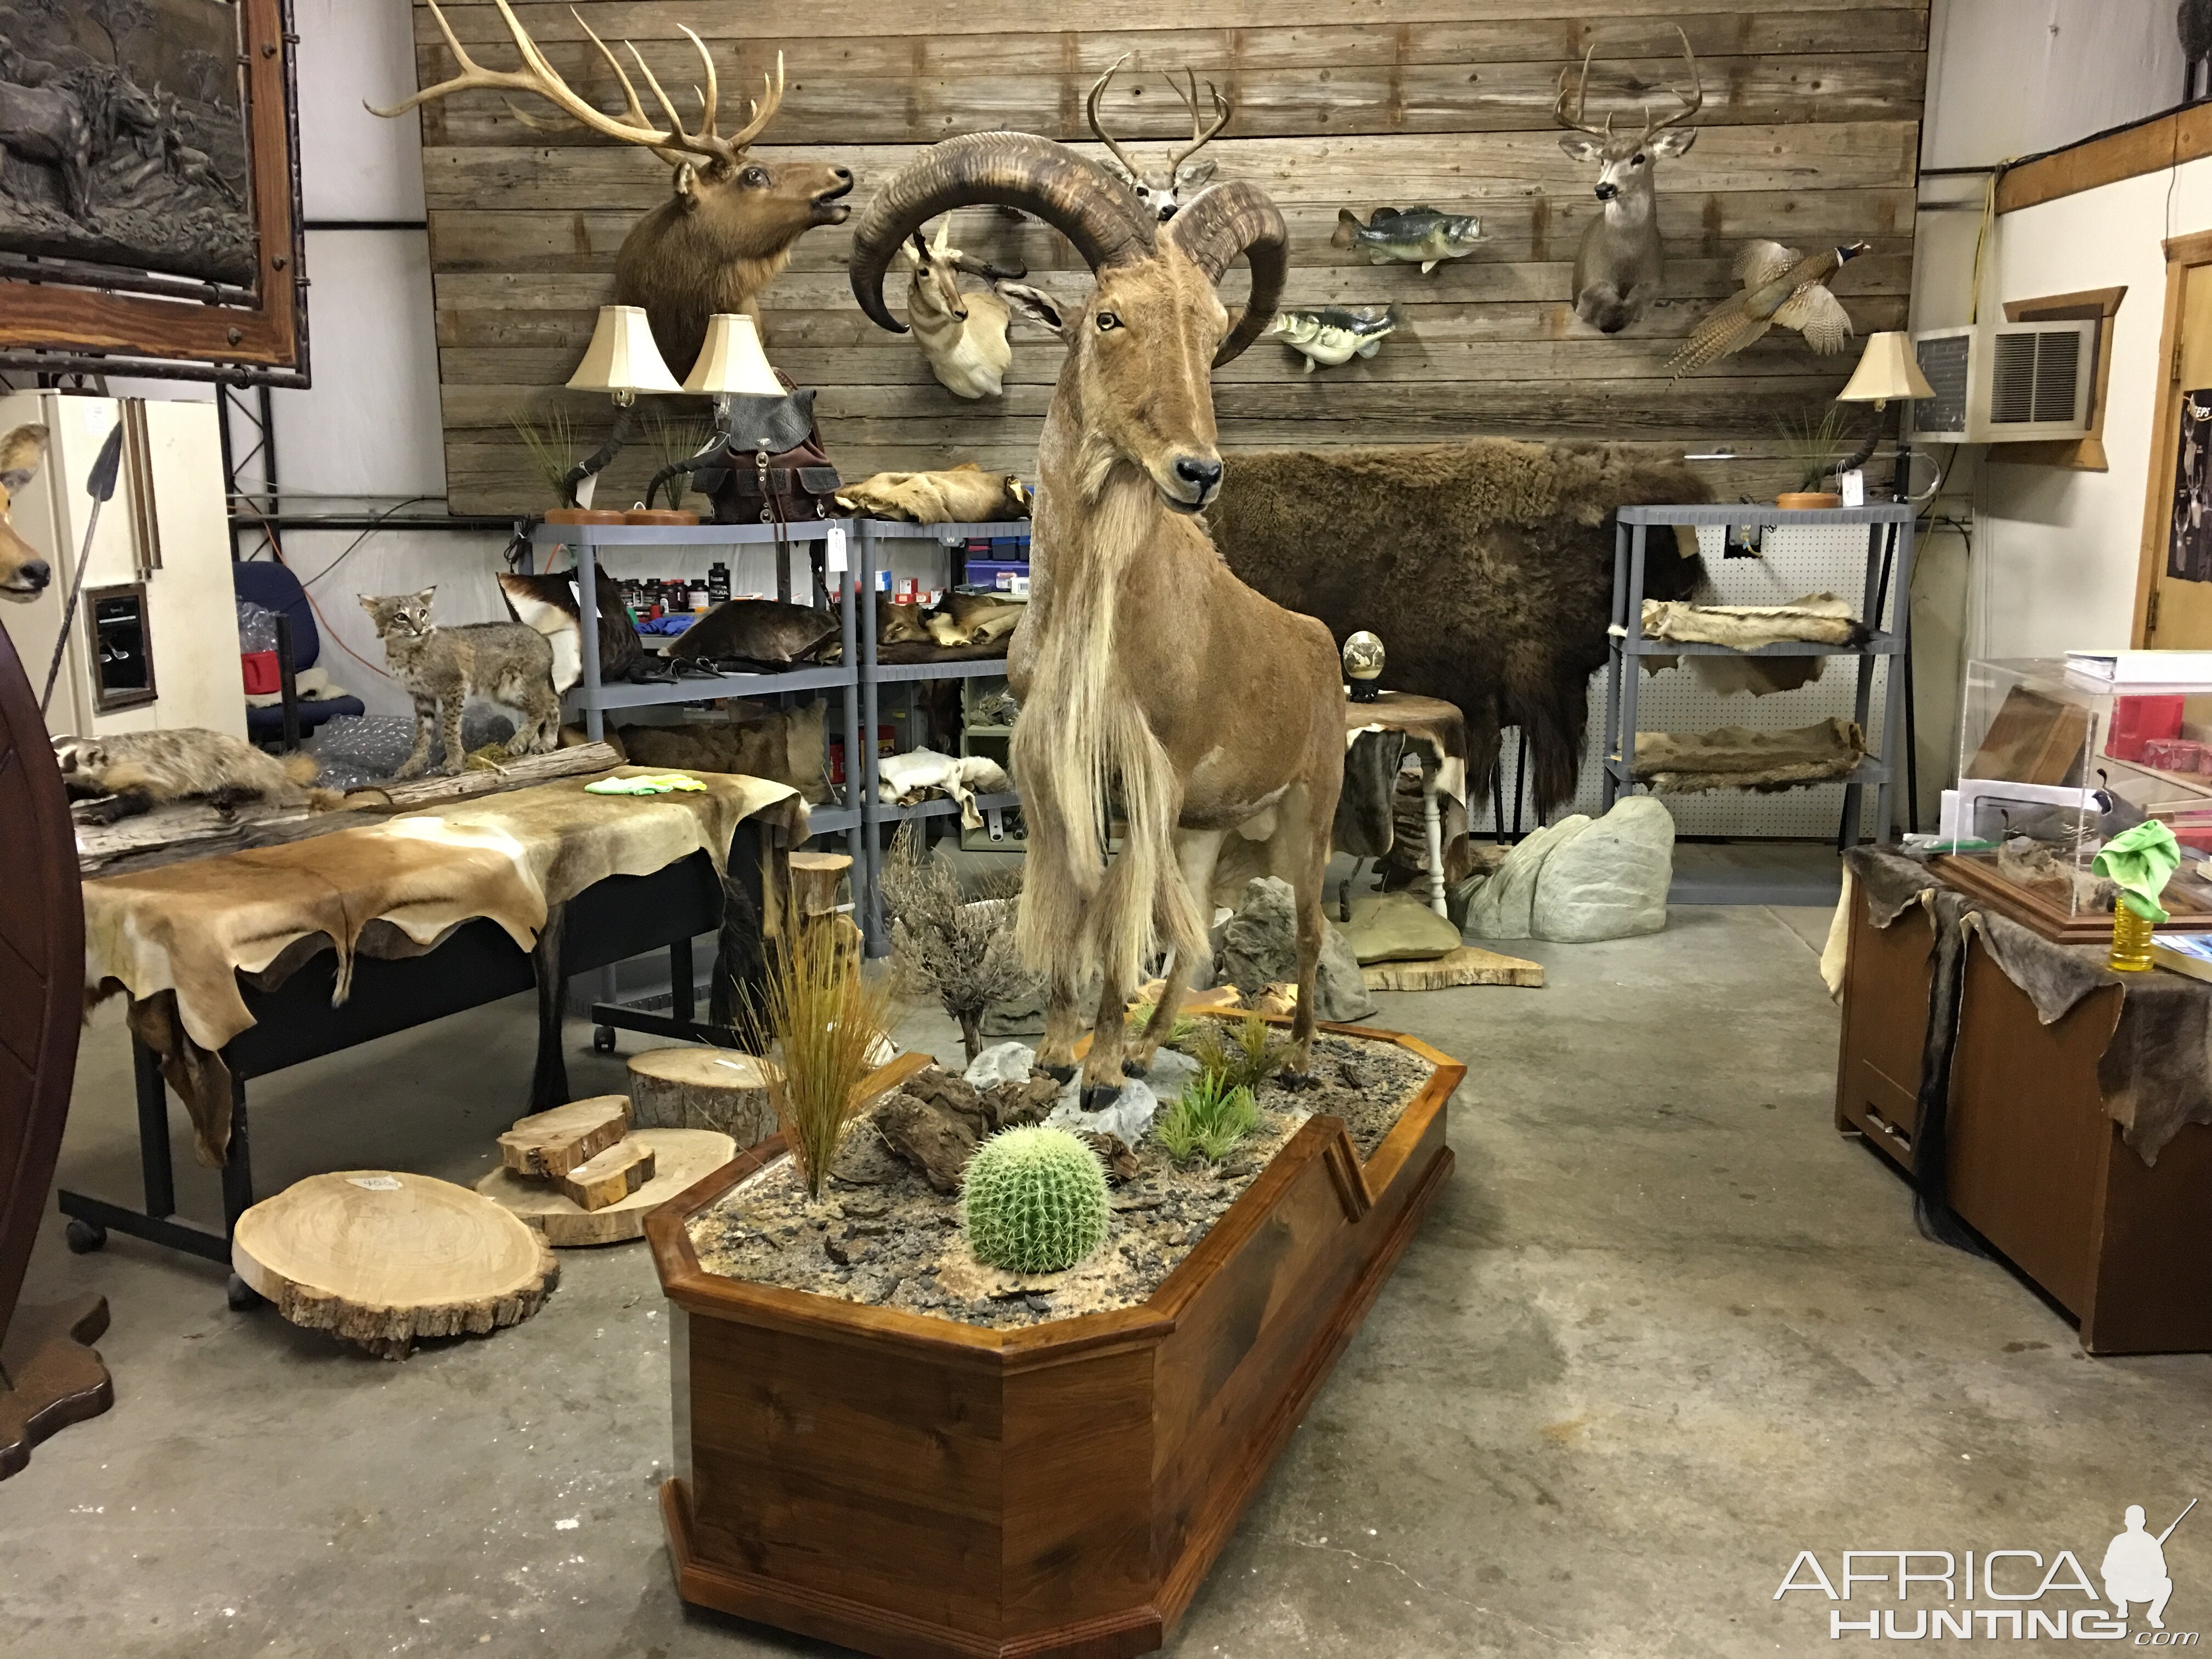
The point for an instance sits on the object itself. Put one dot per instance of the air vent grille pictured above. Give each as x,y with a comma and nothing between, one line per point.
1944,361
2034,376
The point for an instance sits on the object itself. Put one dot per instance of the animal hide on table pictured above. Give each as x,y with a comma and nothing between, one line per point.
1731,758
784,747
1364,817
768,632
1486,565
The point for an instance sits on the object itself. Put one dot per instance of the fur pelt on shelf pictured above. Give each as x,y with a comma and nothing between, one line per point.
1486,565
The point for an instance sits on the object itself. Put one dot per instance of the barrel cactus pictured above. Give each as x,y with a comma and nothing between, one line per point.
1033,1200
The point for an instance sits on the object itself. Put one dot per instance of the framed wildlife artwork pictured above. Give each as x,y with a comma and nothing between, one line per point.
149,202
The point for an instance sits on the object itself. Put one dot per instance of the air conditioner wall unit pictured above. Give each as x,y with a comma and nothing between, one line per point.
2003,383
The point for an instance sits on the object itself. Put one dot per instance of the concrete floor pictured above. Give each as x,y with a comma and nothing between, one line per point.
1664,1330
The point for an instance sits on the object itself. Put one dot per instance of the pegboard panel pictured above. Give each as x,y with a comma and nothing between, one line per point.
1793,562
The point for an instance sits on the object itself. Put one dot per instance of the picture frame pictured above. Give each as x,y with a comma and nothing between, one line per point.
241,319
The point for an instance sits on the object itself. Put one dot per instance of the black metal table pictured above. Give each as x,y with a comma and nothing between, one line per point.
615,919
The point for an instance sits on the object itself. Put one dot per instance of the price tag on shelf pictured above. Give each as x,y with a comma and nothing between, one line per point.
833,549
1854,483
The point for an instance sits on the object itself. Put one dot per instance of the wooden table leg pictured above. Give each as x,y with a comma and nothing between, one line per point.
1432,823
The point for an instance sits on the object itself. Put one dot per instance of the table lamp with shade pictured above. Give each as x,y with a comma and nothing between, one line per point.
622,360
754,411
1887,372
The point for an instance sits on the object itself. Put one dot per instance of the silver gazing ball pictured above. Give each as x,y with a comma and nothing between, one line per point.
1363,666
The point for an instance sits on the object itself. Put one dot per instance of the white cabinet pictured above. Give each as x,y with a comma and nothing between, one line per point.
154,645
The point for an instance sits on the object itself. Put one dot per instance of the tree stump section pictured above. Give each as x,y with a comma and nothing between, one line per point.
815,878
381,1259
681,1159
610,1178
718,1089
549,1145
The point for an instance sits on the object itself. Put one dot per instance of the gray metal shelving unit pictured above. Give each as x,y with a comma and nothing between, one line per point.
1889,527
872,535
671,1015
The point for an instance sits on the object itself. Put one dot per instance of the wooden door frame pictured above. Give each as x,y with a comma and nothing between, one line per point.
2183,255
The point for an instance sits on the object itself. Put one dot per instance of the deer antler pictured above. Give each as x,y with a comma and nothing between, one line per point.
1691,105
674,145
1582,99
1090,110
1201,135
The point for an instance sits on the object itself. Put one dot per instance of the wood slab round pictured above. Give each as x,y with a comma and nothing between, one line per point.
380,1258
681,1157
703,1088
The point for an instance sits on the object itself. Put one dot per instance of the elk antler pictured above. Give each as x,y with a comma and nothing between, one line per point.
675,145
1201,135
1691,105
1582,98
1090,111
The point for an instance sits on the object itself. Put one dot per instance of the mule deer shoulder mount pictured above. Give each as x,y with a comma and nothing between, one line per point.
728,226
1620,264
1161,194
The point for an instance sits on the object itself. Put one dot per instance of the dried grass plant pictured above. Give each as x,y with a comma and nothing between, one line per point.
957,949
675,441
552,443
824,1020
1253,1055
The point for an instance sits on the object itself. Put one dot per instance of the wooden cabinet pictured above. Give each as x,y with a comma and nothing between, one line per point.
2034,1164
1885,1025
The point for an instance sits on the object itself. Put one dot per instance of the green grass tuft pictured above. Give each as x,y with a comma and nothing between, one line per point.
1210,1117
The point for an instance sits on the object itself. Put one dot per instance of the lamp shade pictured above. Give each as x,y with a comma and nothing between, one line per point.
1886,369
732,359
621,356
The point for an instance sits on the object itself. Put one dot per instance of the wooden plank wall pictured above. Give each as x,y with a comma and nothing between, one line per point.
1809,135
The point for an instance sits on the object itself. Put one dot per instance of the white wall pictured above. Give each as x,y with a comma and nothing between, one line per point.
2053,553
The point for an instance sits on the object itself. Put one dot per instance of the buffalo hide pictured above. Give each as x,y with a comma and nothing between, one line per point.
1486,565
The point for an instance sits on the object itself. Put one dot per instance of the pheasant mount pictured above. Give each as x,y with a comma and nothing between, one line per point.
912,1485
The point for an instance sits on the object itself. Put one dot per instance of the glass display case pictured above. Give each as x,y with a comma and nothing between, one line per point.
2053,763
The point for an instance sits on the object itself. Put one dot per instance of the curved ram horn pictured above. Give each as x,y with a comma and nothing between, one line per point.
1073,195
1221,224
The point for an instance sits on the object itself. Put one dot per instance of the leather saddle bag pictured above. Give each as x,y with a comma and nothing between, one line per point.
774,469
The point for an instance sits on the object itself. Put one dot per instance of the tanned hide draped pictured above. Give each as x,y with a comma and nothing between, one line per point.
1486,565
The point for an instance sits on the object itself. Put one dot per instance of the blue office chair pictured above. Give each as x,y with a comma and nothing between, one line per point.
271,585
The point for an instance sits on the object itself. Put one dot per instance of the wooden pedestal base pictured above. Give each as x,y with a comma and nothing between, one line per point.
919,1488
49,1377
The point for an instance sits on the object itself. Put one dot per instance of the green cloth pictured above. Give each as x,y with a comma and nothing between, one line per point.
2140,861
661,783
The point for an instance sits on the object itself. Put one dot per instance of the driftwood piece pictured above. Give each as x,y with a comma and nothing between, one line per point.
610,1178
680,1158
935,1139
381,1259
258,824
549,1145
719,1089
1469,965
484,780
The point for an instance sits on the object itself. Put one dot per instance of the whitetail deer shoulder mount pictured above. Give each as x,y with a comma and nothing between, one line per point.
1619,265
1161,193
1150,677
962,335
728,226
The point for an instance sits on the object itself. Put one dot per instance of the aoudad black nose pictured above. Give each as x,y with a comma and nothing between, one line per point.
1191,469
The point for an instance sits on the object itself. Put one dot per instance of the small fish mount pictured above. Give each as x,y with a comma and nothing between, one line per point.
1423,236
1162,194
1335,334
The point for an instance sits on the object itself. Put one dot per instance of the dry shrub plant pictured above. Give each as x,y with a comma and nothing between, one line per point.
960,950
824,1020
